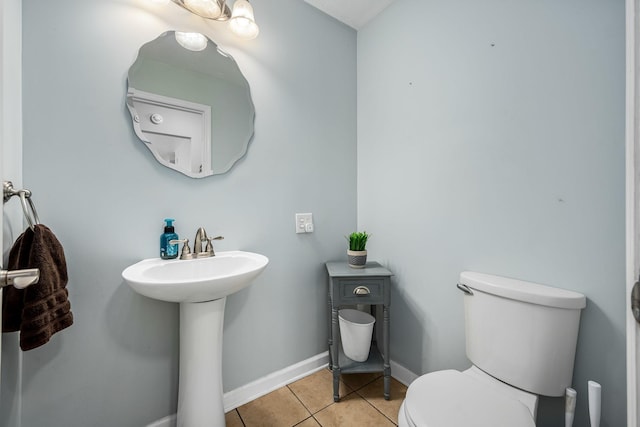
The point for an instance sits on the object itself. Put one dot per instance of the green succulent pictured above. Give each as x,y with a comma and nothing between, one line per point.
358,240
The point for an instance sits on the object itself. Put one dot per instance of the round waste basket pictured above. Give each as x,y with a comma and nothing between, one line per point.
356,329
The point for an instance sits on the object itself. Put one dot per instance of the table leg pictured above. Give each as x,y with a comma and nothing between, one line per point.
336,384
387,366
335,364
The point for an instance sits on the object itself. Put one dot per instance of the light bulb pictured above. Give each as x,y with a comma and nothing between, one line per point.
242,22
192,41
206,8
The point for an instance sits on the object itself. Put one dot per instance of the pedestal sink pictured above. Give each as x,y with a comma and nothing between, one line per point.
201,286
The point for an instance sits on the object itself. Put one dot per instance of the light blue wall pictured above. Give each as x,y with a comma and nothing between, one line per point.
491,138
104,196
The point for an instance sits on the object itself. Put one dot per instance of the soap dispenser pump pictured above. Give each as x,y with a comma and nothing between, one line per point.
167,250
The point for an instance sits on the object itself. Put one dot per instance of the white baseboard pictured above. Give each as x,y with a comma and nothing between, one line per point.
401,373
169,421
274,381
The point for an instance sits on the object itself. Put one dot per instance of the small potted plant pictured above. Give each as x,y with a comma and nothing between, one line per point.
357,252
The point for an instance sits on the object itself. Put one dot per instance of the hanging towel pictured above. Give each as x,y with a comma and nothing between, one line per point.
42,309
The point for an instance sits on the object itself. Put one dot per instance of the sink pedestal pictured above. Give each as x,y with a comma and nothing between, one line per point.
201,286
200,384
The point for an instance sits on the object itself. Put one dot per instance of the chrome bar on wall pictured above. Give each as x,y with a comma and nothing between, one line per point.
28,208
635,301
19,278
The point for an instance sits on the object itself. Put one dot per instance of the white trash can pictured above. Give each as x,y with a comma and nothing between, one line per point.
356,329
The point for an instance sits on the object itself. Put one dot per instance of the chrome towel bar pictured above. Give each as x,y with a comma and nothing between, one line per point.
25,198
635,301
19,278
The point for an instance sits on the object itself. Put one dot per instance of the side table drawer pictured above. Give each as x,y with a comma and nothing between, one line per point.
361,291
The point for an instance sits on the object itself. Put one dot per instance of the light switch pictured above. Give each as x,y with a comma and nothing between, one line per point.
304,223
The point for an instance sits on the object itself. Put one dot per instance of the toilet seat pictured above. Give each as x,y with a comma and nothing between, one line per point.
452,399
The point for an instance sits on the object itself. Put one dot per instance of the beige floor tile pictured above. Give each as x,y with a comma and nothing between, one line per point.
278,408
233,419
352,411
316,391
357,381
374,394
309,422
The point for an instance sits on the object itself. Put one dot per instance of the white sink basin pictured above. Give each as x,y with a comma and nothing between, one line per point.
195,280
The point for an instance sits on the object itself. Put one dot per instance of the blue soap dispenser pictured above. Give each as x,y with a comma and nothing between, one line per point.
167,250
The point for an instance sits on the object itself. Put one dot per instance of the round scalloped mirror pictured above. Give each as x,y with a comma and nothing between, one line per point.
190,104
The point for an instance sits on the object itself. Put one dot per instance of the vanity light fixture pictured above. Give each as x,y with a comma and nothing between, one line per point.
209,9
241,20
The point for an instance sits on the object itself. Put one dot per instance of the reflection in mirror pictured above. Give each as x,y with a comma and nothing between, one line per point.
190,104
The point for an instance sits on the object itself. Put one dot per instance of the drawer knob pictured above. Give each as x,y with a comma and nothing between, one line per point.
361,290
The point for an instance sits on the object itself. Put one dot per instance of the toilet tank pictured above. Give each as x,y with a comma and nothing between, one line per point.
522,333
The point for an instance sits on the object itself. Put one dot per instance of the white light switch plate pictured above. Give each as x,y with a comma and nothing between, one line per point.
304,223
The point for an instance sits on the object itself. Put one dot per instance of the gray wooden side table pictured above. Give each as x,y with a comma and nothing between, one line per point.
348,286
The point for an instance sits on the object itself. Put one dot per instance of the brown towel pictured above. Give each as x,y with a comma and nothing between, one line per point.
42,309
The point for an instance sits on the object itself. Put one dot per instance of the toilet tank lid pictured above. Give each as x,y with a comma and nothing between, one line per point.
520,290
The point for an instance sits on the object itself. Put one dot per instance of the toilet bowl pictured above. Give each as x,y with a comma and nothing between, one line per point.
452,398
521,338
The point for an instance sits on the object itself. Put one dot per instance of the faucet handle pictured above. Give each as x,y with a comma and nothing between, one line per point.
186,250
209,248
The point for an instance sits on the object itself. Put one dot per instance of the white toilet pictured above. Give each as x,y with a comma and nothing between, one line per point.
521,338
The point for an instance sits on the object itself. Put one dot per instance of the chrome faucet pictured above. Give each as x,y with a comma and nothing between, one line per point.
201,237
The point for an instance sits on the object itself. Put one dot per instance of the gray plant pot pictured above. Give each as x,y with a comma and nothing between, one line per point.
357,259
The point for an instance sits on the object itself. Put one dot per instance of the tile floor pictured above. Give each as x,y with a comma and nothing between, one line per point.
308,402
